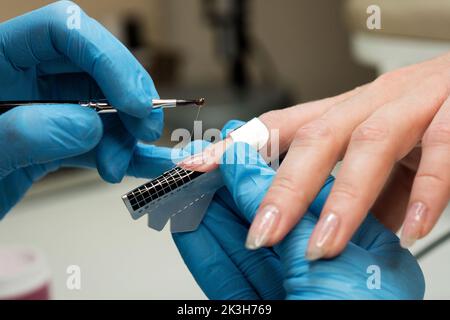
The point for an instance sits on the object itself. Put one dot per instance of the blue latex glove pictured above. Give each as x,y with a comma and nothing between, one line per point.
225,269
147,161
41,58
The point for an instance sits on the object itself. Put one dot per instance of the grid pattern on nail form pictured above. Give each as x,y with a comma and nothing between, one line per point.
179,195
171,180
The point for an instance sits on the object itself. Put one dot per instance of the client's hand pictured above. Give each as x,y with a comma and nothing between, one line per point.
373,265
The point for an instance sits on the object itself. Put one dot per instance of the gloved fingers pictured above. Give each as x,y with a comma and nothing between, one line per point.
117,154
72,86
14,186
397,265
292,250
351,275
377,247
113,155
46,133
375,250
147,161
225,198
261,268
247,177
86,160
115,149
212,268
306,279
242,262
63,29
372,234
150,161
60,65
377,240
60,79
340,278
147,129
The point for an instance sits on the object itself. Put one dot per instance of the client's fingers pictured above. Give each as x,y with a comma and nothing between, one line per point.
284,121
431,188
387,136
248,178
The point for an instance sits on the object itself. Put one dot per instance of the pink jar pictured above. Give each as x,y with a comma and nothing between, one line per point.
24,274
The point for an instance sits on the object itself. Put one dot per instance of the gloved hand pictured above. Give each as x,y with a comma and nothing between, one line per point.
225,269
42,58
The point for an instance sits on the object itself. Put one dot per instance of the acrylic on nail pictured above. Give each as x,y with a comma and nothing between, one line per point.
262,227
412,229
323,237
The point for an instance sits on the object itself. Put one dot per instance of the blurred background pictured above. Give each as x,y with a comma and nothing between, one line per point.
246,57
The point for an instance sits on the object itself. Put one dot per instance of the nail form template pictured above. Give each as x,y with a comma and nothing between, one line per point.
183,196
179,195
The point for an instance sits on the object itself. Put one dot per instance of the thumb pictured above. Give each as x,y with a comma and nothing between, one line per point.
40,134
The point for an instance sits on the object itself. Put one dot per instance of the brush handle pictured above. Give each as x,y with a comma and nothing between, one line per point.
101,106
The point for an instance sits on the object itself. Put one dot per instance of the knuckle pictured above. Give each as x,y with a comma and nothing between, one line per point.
438,85
389,77
17,121
439,81
373,130
445,57
345,191
359,89
434,179
383,79
287,185
438,134
15,127
315,130
273,118
393,79
100,60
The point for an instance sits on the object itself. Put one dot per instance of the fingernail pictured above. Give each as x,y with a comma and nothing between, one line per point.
192,161
415,218
323,237
262,227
